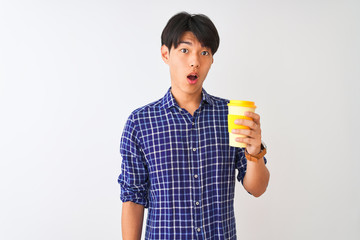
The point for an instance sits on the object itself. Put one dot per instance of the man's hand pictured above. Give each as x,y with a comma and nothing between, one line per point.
253,135
257,175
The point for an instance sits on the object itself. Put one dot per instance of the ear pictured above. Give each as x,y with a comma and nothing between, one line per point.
165,54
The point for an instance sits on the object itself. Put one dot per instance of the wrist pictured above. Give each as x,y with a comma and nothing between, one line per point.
259,154
254,151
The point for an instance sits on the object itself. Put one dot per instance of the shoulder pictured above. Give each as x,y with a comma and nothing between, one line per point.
218,101
147,110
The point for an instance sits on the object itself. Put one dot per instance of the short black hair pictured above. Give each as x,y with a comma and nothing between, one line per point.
200,25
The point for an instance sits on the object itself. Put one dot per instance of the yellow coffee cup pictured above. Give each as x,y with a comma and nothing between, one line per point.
237,110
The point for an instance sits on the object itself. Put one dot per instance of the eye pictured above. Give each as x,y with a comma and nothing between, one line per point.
184,50
205,53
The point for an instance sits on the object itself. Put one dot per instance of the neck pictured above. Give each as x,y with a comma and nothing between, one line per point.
190,102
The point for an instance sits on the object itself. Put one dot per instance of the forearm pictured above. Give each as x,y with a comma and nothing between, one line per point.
256,178
132,220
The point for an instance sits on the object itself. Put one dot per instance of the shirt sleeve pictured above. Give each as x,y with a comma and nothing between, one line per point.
133,180
241,163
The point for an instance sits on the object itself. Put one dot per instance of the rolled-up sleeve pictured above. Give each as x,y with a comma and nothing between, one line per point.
241,163
133,180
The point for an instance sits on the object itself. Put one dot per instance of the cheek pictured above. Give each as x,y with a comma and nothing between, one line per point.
179,61
206,65
175,69
178,65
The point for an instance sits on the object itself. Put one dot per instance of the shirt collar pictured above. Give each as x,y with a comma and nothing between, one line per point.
206,97
168,100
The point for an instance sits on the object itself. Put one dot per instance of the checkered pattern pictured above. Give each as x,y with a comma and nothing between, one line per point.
182,169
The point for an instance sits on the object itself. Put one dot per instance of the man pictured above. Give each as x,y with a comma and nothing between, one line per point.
176,158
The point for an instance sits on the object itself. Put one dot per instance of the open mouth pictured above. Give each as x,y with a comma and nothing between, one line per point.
192,78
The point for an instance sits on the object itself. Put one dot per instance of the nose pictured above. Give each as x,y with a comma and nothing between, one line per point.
194,62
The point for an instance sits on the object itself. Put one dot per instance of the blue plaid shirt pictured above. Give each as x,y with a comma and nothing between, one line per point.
182,169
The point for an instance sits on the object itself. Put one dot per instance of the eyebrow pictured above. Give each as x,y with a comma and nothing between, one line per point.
190,43
185,42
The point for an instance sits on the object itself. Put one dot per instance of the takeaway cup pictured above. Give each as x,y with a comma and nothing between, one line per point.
237,110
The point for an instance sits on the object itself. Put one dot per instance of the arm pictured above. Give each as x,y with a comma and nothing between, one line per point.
132,220
256,178
257,175
134,183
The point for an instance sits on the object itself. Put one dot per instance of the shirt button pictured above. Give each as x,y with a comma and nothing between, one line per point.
194,149
195,176
193,123
198,229
197,203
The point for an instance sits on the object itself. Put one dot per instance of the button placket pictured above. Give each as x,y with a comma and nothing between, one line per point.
194,154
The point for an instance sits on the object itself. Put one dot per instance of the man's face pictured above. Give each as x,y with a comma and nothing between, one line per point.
189,64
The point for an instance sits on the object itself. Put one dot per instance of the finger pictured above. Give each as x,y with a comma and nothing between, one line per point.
250,141
254,116
246,132
249,123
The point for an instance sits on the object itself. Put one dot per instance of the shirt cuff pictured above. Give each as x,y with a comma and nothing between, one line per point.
135,197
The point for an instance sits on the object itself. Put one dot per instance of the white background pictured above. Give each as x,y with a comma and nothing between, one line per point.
72,71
